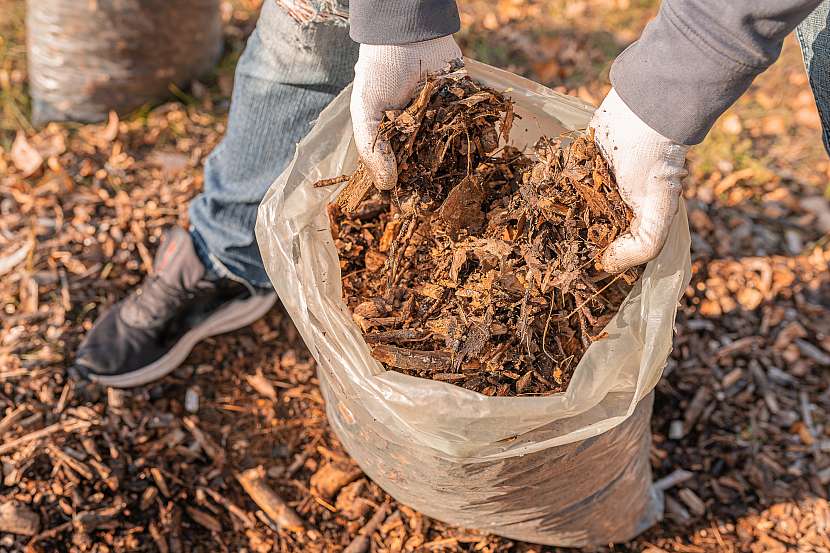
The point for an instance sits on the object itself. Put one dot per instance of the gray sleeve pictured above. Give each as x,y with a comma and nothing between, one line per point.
402,21
698,56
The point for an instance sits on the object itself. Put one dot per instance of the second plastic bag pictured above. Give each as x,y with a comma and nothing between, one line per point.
570,469
87,57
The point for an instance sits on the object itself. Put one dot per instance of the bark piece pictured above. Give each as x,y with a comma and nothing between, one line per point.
363,540
462,207
262,385
255,485
412,360
331,477
16,518
358,188
210,447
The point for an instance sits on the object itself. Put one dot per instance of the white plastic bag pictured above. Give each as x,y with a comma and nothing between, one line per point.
571,469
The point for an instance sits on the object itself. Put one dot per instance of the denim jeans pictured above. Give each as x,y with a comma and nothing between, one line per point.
814,37
297,60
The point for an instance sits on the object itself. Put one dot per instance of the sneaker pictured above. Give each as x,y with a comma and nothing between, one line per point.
151,332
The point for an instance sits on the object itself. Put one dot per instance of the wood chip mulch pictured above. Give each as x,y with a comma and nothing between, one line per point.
741,427
480,268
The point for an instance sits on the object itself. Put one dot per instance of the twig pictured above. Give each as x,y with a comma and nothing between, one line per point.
675,478
65,395
233,508
547,325
157,536
88,521
12,260
14,373
207,444
592,296
332,181
47,535
65,426
807,418
203,519
11,419
76,465
363,539
254,484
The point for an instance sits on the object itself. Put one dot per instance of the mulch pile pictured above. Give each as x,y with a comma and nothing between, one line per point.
480,268
231,452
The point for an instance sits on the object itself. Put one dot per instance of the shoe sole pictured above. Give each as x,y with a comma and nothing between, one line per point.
236,315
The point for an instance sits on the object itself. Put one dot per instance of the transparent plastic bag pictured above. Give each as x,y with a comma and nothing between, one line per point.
571,469
87,57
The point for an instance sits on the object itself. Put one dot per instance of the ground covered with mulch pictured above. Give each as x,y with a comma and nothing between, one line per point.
213,456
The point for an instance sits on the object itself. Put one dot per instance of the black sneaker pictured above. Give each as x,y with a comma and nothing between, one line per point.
152,331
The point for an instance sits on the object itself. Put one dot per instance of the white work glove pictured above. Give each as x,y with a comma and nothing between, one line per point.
385,78
648,168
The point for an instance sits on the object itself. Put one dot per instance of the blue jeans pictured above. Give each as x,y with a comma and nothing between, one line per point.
290,70
814,37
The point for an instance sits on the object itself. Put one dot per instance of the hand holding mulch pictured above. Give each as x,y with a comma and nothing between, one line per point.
481,267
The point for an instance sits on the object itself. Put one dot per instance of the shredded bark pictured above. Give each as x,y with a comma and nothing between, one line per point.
743,404
480,267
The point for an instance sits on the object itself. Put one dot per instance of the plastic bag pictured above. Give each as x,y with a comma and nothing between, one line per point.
571,469
87,57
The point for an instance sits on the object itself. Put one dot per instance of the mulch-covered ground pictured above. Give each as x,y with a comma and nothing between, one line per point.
740,427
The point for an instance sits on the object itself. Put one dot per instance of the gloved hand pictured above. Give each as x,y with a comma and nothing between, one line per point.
648,168
385,78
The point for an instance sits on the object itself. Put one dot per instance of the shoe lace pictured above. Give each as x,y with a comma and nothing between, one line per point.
158,301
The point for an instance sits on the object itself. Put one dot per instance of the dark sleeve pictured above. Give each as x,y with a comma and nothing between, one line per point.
402,21
698,56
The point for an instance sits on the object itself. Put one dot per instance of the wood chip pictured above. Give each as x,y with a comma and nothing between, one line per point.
16,518
329,478
254,483
362,542
692,501
210,447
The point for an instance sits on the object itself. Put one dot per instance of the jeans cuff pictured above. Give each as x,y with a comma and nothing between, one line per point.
215,268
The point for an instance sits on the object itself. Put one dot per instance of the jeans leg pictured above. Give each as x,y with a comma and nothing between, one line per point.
814,37
289,72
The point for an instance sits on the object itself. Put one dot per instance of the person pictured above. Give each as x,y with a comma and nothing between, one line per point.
668,88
